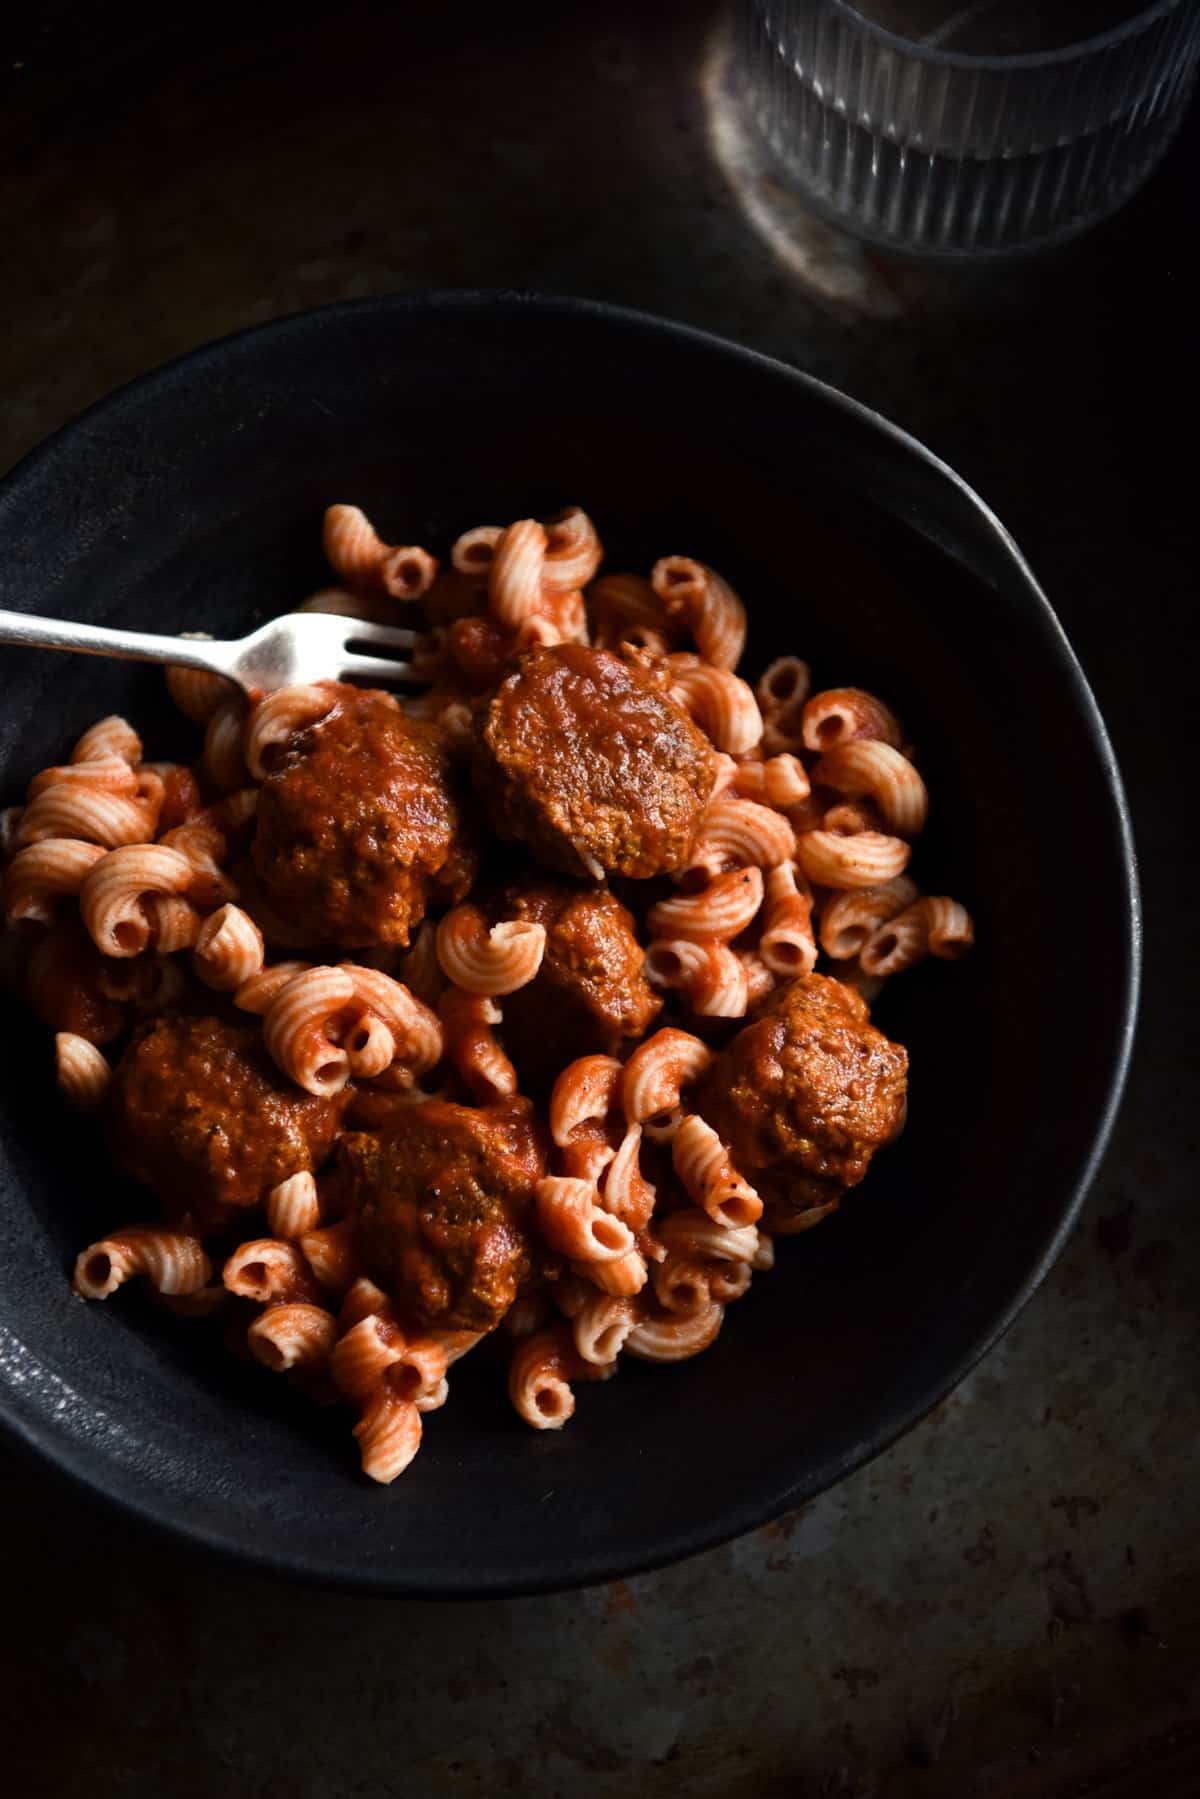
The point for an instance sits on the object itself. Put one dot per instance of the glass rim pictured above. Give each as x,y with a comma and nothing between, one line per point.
1034,59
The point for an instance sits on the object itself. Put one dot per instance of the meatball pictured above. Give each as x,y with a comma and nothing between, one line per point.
358,826
444,1195
586,759
805,1095
198,1110
589,995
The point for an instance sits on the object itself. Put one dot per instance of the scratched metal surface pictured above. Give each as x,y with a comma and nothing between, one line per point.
1009,1602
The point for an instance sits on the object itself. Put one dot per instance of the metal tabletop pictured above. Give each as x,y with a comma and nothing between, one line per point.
1007,1603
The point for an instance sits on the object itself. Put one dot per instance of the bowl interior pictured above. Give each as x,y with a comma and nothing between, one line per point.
193,501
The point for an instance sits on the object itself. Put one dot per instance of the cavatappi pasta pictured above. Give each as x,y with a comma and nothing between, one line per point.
160,911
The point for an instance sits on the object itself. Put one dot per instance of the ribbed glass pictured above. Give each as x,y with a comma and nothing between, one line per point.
940,151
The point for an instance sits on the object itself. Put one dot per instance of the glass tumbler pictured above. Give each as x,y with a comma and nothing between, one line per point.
951,130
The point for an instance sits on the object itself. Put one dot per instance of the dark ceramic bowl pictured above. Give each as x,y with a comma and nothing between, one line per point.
192,500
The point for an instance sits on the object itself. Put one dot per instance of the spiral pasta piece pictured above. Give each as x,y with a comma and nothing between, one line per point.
370,1046
111,737
656,1076
419,967
739,833
779,781
363,1298
295,1030
889,778
196,692
624,1190
388,1436
172,1262
622,1278
45,872
271,1272
787,945
867,859
292,1334
573,550
472,552
583,1098
275,720
849,919
540,1375
392,1379
114,889
224,759
600,1328
375,1352
228,950
714,978
626,609
840,715
763,1258
702,1163
257,994
100,774
723,909
672,1338
692,1233
472,1048
415,1027
720,702
95,814
293,1207
353,548
934,926
515,573
205,848
408,572
333,1254
575,1224
82,1071
492,962
686,1285
760,980
715,615
784,686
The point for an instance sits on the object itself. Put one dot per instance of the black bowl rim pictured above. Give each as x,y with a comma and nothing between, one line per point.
73,1461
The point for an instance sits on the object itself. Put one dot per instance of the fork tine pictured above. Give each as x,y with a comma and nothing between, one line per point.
380,637
375,668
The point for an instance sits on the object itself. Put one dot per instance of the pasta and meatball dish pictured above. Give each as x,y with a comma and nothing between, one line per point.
525,1012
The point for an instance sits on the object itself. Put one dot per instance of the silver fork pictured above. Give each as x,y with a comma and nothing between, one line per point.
299,646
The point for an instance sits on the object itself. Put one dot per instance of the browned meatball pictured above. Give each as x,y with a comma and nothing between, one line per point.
445,1192
358,828
589,995
586,759
198,1111
805,1095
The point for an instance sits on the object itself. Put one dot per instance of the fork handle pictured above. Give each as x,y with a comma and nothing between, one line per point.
96,640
